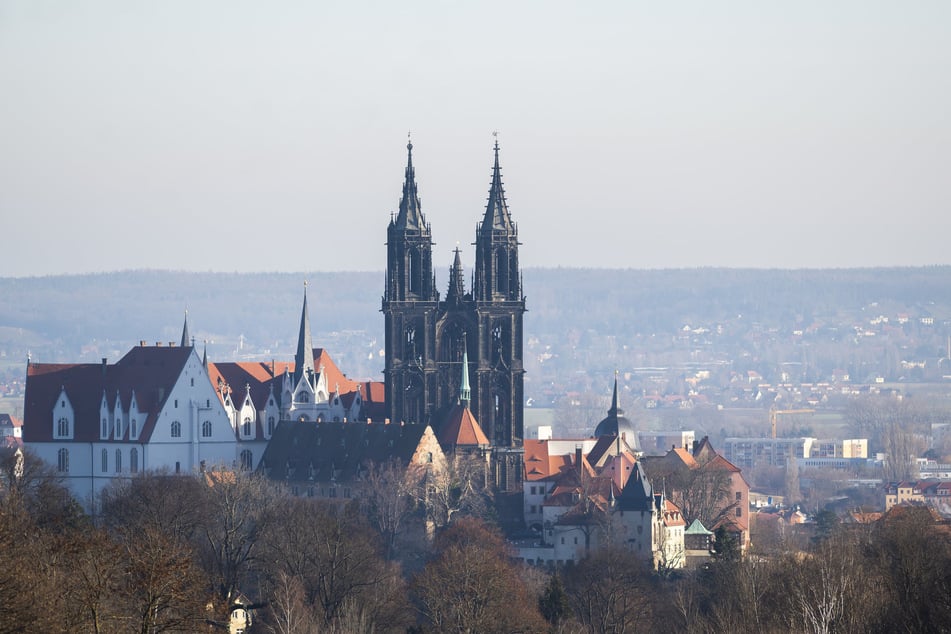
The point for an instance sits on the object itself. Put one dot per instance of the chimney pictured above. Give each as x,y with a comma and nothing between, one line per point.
158,344
578,457
696,444
142,342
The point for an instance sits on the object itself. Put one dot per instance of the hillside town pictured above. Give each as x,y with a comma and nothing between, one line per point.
251,477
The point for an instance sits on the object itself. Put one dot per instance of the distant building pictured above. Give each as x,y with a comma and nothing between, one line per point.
164,407
656,443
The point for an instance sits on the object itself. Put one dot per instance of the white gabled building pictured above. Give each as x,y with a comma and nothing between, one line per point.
153,409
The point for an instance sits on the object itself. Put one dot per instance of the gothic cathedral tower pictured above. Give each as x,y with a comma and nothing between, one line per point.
426,338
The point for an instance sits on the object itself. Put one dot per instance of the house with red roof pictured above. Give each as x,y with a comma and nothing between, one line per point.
164,407
155,408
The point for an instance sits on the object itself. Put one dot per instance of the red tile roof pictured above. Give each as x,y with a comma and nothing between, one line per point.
148,371
461,429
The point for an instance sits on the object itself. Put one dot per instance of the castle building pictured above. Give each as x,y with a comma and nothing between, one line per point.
427,335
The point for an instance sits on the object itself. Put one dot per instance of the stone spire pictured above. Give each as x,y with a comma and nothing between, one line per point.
304,359
496,210
186,339
457,285
410,215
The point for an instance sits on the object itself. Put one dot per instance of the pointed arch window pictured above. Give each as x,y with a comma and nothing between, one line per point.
104,430
246,427
206,429
62,460
118,461
62,427
134,429
303,397
501,271
133,460
247,460
414,271
105,460
176,429
271,422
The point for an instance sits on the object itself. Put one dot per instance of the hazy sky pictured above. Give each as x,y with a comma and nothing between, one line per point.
270,136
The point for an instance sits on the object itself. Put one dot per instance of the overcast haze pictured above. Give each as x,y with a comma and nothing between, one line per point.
253,136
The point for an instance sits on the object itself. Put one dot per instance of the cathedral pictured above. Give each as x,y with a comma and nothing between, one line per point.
428,335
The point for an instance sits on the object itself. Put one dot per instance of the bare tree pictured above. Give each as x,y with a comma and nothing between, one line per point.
389,497
461,487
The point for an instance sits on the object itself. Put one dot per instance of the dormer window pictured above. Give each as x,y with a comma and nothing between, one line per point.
246,427
104,432
134,429
62,427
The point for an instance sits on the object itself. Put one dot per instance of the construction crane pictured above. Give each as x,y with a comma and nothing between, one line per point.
775,413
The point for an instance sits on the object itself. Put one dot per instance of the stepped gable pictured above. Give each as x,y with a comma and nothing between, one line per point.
150,371
332,451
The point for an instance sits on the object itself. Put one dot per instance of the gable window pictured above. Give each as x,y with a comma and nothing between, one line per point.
118,426
62,461
104,432
105,460
133,460
176,429
246,460
303,397
246,427
206,429
118,461
134,429
62,427
270,425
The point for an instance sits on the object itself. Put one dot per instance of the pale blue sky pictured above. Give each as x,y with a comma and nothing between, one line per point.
260,136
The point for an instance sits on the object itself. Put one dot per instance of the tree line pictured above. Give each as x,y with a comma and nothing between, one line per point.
170,553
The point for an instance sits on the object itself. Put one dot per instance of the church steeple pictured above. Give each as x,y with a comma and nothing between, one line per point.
186,339
410,215
496,211
464,392
497,274
409,243
615,410
304,359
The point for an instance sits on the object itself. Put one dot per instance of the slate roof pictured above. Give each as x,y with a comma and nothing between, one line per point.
303,451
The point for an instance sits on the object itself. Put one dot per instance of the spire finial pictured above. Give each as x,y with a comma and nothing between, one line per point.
409,140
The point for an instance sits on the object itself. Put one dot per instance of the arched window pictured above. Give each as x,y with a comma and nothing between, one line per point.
62,461
270,425
62,427
246,427
501,272
104,432
134,429
303,397
247,461
118,426
105,460
414,271
176,429
206,429
133,460
118,461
